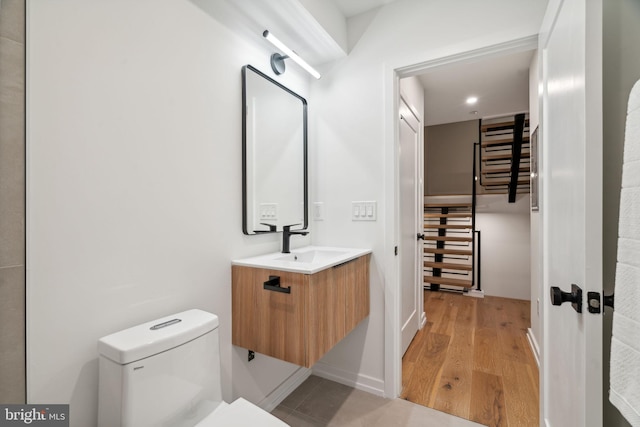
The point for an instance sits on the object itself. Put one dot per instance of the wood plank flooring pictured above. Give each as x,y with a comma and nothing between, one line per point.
472,359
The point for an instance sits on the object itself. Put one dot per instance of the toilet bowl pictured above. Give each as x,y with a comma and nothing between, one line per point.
166,373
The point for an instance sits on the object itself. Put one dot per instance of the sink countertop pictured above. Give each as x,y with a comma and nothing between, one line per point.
306,260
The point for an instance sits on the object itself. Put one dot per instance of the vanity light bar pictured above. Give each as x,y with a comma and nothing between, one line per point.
291,54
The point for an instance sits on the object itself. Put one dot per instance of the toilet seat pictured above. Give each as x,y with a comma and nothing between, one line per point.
240,413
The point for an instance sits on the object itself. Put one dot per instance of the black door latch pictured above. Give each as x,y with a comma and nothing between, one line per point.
593,301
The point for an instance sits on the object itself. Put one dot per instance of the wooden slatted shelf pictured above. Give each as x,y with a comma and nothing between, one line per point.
449,238
447,281
447,205
496,181
505,156
503,190
449,226
504,141
447,251
449,215
496,142
489,170
439,216
502,125
448,266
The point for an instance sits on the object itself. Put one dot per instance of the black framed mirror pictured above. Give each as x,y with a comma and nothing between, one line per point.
274,155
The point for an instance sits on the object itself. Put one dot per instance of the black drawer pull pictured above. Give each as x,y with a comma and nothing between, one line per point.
273,284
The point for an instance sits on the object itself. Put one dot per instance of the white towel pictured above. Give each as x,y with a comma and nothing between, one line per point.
624,390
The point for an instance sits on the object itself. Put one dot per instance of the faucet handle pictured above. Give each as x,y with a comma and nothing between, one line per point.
288,227
272,227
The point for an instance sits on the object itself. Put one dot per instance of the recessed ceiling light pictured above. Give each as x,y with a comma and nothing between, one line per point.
472,100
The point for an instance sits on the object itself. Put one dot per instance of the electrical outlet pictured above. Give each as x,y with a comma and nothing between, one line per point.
268,211
318,211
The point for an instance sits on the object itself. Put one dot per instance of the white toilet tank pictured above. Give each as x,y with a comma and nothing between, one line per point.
161,373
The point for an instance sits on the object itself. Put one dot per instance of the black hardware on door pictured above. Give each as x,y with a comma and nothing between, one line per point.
273,284
609,300
574,297
420,236
593,301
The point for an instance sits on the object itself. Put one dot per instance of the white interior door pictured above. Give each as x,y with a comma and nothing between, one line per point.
409,209
571,46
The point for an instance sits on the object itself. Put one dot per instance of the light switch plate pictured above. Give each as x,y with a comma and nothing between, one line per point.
364,211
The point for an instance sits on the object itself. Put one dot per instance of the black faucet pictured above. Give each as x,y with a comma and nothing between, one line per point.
286,236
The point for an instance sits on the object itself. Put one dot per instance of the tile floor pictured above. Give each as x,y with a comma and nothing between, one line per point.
320,402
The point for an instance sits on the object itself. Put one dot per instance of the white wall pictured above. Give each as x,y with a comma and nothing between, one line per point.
505,245
134,184
536,232
349,154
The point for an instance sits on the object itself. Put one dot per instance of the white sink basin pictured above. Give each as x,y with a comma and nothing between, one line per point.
307,260
316,255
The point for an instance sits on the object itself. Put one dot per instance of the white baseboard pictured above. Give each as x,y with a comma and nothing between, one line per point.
423,320
355,380
274,398
474,293
534,346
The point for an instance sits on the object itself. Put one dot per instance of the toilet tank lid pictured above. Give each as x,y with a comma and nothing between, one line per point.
156,336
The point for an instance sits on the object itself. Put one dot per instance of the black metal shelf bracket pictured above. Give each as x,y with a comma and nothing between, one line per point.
516,153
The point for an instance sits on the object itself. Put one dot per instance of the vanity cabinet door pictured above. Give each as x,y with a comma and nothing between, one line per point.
269,322
356,277
325,314
338,299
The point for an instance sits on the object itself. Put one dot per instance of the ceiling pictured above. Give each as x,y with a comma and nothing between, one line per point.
501,85
351,8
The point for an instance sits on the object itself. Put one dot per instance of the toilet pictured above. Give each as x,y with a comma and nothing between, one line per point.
167,373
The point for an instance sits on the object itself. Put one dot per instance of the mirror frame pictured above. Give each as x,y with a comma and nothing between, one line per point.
305,224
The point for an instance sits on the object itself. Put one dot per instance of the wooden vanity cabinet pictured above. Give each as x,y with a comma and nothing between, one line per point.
300,326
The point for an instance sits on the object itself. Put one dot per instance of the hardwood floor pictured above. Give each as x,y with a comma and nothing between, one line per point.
472,359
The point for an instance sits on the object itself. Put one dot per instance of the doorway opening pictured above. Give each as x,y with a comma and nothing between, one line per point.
473,358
